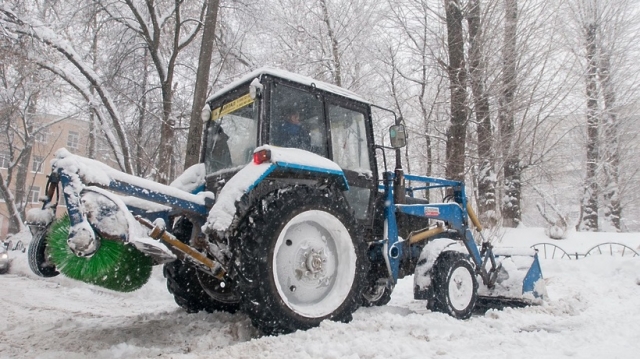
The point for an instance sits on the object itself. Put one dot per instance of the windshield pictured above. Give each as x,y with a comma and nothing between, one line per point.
297,120
232,135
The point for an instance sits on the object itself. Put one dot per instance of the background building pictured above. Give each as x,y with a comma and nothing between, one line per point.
72,134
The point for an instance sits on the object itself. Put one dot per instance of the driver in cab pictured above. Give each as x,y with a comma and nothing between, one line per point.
291,132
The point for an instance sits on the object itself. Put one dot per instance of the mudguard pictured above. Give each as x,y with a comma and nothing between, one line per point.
280,159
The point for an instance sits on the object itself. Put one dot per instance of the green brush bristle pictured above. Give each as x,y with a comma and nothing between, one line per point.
115,265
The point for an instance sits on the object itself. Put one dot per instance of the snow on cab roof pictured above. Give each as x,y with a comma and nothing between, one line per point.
283,74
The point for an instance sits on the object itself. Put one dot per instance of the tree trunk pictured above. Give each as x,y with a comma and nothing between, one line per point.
511,210
142,119
589,208
165,150
336,69
456,136
610,150
194,139
22,190
486,175
22,168
15,221
93,147
167,129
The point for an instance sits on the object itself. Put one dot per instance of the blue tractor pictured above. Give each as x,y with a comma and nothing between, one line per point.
290,217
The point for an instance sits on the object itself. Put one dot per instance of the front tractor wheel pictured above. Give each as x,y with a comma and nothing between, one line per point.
193,290
302,260
455,285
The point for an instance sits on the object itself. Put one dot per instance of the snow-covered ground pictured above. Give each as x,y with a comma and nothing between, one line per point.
593,312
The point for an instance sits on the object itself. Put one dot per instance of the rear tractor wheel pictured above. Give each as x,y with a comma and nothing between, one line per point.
302,260
194,290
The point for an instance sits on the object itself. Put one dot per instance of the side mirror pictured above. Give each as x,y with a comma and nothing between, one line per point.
398,136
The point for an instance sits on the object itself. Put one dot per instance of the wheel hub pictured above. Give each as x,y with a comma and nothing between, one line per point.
312,266
460,288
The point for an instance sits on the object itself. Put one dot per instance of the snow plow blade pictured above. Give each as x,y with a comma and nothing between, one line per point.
519,278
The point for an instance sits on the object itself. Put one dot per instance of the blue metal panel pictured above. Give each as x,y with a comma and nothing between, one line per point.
449,212
344,185
440,181
394,249
156,197
533,275
472,248
262,177
72,200
199,189
151,216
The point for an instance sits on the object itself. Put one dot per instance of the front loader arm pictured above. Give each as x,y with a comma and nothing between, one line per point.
454,214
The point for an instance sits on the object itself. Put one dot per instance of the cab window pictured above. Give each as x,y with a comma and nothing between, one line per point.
231,135
349,139
297,120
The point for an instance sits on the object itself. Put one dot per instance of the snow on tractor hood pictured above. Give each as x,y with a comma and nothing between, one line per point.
222,213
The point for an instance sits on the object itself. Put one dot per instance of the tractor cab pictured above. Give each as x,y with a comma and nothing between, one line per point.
278,108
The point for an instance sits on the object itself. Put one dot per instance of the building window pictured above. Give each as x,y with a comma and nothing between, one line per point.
36,165
35,194
41,136
73,140
5,160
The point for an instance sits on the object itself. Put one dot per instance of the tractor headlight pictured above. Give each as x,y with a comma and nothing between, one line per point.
4,256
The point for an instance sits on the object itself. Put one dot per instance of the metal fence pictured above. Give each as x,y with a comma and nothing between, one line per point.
552,251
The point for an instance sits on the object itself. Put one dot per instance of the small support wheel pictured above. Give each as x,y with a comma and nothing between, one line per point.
455,285
37,255
376,294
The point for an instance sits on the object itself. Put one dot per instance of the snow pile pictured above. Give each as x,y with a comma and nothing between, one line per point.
428,258
87,171
300,157
40,215
592,313
289,76
191,179
222,213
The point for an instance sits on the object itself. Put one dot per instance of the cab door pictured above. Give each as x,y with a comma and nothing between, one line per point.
349,146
